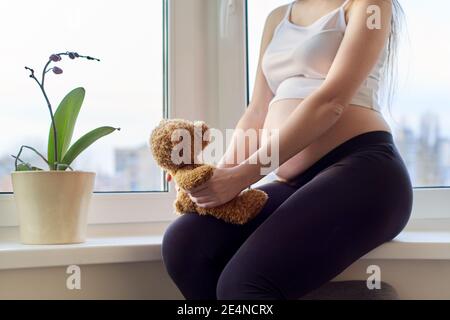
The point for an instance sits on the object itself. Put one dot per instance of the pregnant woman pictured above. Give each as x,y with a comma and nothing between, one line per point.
342,187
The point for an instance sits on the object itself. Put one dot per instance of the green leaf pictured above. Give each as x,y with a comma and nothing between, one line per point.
27,167
84,142
23,167
17,158
65,119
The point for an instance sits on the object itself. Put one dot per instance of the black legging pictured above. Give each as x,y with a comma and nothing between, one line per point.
355,198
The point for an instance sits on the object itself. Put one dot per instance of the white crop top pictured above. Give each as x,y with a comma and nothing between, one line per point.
297,60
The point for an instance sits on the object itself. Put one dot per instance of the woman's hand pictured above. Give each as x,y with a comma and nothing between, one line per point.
224,185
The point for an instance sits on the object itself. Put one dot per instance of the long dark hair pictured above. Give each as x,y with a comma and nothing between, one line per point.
390,72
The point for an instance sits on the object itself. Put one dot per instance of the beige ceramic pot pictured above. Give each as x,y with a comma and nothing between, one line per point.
53,205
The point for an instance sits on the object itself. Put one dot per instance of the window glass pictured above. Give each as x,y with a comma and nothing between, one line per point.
124,90
420,114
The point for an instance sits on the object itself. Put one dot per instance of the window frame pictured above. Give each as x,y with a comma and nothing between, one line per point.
205,64
127,207
201,63
430,203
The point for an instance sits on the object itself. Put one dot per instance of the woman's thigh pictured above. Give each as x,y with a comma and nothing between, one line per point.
199,230
341,214
195,245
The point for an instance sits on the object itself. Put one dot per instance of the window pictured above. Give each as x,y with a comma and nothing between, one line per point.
126,89
206,50
420,115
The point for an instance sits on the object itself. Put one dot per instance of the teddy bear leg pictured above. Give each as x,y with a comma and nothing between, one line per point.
183,203
253,201
245,207
239,210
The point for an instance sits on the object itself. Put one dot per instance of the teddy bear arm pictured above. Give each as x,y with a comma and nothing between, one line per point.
183,204
191,178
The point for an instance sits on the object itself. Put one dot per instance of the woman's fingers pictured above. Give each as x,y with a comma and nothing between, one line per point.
205,201
208,205
201,188
201,193
200,200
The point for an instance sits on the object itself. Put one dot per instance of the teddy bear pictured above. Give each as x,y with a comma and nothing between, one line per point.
189,174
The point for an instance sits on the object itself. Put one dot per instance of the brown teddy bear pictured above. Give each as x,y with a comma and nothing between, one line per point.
189,175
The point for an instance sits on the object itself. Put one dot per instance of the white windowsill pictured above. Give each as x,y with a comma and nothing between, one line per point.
139,243
105,244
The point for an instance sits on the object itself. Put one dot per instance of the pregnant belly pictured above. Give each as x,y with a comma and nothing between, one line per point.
355,120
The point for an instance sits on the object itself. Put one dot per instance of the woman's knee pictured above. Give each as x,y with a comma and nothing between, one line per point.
181,238
239,283
229,287
181,233
191,240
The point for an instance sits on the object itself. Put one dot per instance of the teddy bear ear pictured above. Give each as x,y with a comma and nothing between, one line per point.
200,125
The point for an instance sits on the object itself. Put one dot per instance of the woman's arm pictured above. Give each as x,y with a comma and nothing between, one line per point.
254,116
357,55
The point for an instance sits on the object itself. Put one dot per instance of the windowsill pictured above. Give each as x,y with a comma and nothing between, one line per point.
104,244
139,243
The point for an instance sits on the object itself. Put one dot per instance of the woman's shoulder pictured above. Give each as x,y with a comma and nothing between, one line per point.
275,17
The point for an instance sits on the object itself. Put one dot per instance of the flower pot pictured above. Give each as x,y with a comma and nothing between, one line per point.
53,205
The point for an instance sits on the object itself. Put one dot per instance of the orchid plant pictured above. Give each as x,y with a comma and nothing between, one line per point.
60,153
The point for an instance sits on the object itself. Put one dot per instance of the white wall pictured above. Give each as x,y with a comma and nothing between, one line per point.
424,279
112,281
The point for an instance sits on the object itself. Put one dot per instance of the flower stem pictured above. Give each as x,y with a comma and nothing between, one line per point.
32,149
44,72
49,106
41,84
